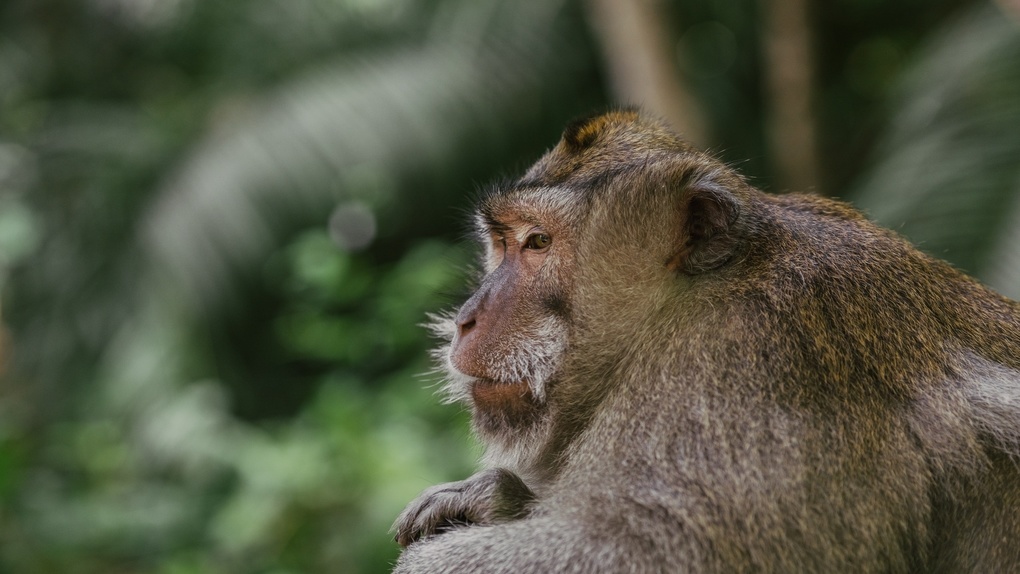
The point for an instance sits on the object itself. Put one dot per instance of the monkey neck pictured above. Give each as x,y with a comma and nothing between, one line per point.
519,449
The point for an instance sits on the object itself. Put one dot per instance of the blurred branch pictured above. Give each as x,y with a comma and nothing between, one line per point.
789,85
639,60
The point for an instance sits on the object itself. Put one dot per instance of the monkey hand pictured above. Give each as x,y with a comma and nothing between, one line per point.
487,497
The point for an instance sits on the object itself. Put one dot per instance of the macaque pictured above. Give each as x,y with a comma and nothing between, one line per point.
672,371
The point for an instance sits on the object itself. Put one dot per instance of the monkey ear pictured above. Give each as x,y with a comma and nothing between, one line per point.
708,236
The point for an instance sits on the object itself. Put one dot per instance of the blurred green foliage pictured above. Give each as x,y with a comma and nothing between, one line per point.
191,489
222,224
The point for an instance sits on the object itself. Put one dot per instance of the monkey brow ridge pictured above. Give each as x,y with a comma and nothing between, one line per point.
527,203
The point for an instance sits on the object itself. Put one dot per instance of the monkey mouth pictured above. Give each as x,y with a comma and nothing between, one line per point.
487,382
487,390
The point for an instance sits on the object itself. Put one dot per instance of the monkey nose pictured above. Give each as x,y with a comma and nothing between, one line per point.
467,316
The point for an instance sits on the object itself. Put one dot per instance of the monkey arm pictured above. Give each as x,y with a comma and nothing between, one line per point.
488,497
552,543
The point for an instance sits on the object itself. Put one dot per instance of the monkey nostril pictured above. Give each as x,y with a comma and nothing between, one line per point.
466,326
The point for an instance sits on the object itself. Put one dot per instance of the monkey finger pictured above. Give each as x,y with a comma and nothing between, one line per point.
419,518
439,511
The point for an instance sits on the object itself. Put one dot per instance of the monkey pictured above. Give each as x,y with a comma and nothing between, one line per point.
672,371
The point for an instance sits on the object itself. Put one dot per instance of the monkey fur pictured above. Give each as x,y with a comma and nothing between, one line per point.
674,372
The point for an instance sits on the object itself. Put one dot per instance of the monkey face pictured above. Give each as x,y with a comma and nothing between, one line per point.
510,336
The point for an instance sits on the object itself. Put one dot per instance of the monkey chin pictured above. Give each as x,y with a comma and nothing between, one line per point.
513,403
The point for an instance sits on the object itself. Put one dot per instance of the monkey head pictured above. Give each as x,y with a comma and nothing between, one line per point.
616,181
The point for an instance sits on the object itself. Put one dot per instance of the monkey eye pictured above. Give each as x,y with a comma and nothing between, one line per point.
538,241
